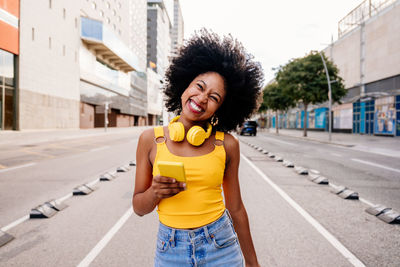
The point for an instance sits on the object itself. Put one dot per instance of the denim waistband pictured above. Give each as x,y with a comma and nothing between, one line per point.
192,235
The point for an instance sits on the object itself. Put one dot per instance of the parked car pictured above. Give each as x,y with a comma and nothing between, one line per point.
249,127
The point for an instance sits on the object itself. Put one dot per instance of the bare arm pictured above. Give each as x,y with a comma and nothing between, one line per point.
148,190
233,201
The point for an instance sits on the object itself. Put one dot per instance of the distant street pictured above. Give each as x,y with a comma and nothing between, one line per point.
294,222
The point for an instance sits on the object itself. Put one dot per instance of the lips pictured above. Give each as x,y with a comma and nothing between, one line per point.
194,107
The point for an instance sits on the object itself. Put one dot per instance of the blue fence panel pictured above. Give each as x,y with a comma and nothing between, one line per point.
302,119
362,117
320,118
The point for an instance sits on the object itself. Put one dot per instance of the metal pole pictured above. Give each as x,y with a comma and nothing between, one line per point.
329,97
105,116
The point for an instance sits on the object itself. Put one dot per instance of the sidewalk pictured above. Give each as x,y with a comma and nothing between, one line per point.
384,145
30,137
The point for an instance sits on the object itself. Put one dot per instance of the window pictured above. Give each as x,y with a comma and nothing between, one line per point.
114,12
115,27
119,18
108,5
101,13
33,34
94,6
76,22
63,50
108,20
64,13
119,4
49,42
50,4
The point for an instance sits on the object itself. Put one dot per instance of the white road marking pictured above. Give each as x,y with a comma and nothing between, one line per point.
15,223
18,167
325,233
104,241
376,165
335,154
99,148
366,202
279,141
61,199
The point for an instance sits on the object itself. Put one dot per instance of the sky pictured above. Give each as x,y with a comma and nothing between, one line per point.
272,31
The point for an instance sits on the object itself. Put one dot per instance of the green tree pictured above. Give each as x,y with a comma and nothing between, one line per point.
274,98
305,80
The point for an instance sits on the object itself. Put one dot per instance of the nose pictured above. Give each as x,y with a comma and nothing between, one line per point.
203,97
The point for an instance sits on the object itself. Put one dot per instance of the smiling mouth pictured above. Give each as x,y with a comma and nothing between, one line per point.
194,107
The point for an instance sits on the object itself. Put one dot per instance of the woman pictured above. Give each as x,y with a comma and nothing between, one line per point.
214,85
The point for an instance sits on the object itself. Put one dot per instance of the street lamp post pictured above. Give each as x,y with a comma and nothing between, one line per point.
105,116
329,97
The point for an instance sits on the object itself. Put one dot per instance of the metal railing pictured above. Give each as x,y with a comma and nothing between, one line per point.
360,14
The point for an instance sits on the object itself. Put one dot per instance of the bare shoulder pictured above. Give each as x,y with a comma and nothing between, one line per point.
231,144
147,136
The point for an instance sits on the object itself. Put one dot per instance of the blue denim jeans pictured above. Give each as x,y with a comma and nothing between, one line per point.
215,244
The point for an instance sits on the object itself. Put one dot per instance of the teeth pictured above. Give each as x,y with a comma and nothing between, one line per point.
194,106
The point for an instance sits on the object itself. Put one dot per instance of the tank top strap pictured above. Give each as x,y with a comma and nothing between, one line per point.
219,135
158,132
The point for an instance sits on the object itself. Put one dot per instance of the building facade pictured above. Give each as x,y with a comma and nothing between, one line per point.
78,60
158,36
159,31
177,29
9,52
367,54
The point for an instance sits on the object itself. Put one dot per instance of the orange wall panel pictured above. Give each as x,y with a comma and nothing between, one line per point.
8,38
11,6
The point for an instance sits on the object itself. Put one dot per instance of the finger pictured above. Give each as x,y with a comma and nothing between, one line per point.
173,185
164,180
182,185
169,192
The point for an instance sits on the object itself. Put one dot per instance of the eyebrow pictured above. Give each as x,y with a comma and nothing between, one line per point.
213,92
203,82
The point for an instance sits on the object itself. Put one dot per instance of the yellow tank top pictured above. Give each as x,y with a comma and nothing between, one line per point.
202,202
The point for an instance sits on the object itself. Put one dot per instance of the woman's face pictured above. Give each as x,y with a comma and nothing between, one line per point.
203,96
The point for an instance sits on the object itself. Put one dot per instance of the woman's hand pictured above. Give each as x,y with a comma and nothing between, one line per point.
165,187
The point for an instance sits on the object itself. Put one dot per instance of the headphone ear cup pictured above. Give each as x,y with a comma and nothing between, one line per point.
176,131
196,136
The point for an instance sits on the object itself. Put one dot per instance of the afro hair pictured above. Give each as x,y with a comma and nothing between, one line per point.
207,52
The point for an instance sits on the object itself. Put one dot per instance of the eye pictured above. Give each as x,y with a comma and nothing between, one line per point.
216,99
200,87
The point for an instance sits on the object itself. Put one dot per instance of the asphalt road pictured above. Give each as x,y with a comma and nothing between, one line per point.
294,222
375,176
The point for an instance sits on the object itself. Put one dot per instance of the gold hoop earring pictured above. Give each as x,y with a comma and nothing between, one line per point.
214,120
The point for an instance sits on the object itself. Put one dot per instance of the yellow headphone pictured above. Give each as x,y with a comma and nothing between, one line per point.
195,136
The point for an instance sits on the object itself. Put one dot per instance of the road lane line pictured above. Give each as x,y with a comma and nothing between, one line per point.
376,165
99,148
325,233
366,202
279,141
15,223
104,241
18,167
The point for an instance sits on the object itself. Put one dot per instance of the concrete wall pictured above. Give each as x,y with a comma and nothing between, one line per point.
87,113
383,45
346,56
382,49
42,111
49,67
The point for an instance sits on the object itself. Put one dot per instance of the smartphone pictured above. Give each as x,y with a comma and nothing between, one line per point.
171,169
